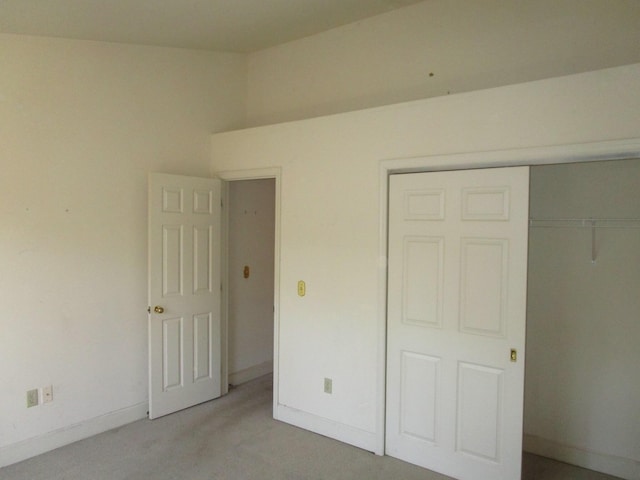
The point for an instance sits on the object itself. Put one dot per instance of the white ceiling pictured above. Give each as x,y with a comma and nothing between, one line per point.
223,25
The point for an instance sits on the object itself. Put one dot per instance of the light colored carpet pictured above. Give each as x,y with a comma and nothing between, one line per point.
233,438
541,468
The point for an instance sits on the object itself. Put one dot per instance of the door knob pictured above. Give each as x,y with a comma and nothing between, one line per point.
158,309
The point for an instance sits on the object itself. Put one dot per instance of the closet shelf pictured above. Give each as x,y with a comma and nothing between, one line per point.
592,223
584,222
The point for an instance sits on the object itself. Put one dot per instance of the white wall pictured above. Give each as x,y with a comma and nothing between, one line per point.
466,45
81,126
250,312
330,217
582,386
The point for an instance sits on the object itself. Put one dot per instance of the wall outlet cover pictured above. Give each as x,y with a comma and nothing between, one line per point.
47,394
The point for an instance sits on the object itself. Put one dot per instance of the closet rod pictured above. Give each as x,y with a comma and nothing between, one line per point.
584,222
592,223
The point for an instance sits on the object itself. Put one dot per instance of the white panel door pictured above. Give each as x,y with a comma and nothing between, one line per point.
184,292
456,309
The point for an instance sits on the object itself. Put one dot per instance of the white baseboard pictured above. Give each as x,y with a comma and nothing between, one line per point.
242,376
610,464
329,428
31,447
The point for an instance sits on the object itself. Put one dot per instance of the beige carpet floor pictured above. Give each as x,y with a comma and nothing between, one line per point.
235,438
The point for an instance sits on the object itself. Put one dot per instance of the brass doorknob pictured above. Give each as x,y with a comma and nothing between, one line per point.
158,309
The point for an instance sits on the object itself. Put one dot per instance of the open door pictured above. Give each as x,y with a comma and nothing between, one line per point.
456,321
184,292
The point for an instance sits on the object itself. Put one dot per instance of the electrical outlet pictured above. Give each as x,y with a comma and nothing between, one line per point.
32,398
47,394
328,385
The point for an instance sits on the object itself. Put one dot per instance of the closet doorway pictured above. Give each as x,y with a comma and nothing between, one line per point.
582,389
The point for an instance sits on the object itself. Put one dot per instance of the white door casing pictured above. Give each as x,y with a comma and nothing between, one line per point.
184,282
456,309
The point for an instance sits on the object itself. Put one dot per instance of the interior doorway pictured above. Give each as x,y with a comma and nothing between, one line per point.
250,273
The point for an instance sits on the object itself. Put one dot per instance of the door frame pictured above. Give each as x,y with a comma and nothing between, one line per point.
569,153
232,176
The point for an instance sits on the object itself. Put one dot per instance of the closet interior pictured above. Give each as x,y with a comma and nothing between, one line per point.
582,386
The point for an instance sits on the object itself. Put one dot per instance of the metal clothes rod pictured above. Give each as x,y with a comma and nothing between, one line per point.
592,223
584,222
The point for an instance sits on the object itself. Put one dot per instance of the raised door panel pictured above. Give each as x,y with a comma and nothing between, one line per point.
426,204
423,267
485,204
419,394
203,201
172,359
202,340
483,283
172,260
479,414
202,259
172,200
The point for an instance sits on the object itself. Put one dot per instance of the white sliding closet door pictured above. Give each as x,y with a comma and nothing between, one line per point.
456,321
